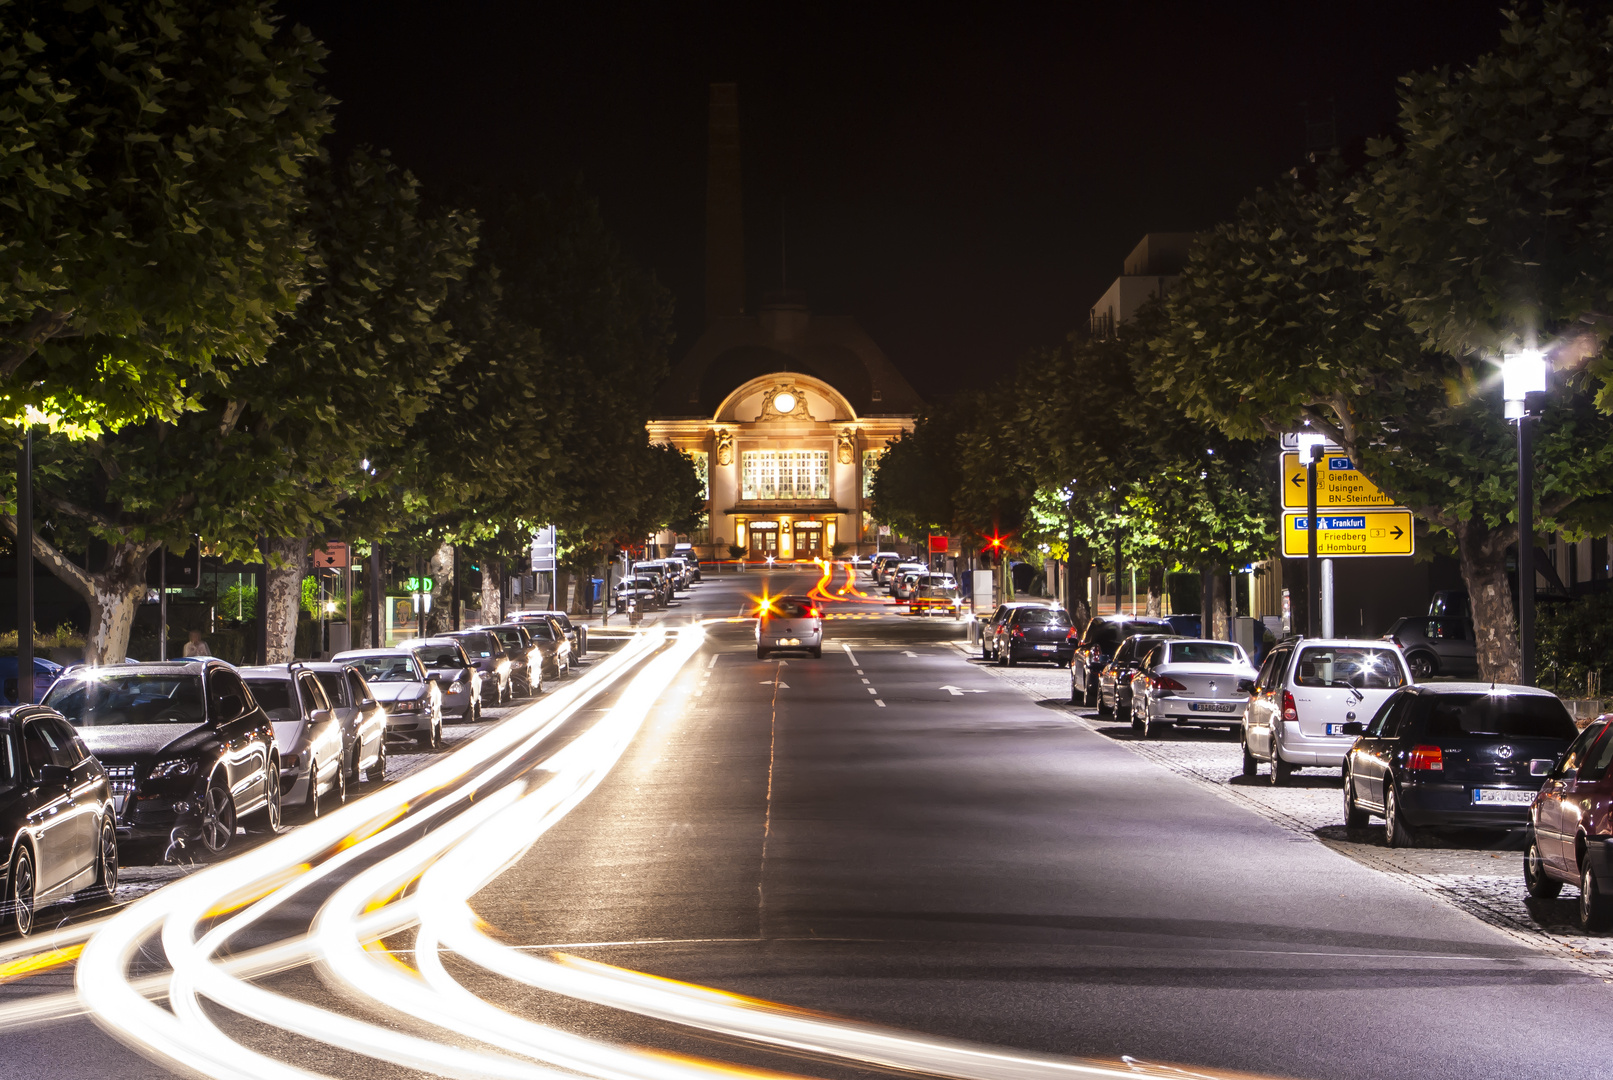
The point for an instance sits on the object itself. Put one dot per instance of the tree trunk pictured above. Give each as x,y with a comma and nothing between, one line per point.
1483,555
287,558
1077,603
440,568
493,590
1156,590
562,590
113,593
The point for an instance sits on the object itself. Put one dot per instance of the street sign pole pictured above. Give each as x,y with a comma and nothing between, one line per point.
1327,595
1310,542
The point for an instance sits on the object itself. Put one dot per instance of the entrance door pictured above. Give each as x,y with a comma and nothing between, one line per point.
808,543
763,543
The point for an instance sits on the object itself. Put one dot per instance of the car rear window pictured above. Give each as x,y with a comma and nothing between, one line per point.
478,645
274,695
790,608
1042,617
1512,716
1359,667
1205,652
332,683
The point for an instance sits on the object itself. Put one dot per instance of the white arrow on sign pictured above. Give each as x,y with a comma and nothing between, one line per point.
959,691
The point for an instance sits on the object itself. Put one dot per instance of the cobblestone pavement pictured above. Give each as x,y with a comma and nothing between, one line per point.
1480,873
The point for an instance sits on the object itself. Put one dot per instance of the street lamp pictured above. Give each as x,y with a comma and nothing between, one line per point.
1524,373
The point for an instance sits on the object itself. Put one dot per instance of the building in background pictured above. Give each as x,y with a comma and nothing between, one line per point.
1150,270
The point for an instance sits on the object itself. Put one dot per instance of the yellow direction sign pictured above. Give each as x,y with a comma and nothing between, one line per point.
1338,485
1339,536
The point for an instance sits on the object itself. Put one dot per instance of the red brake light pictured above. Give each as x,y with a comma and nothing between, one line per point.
1426,759
1290,710
1165,682
1019,631
1073,635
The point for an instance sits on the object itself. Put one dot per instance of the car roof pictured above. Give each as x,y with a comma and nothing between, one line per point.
435,639
328,666
265,671
355,654
160,667
1374,642
1480,688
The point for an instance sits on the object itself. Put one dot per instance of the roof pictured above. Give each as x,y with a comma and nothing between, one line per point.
1481,688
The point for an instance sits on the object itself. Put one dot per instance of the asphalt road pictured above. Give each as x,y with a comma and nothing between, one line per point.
849,835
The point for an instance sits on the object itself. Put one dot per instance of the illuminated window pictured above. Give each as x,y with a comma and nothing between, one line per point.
784,474
702,470
870,467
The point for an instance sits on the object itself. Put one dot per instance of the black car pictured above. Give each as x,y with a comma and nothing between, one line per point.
1034,632
1114,681
1453,754
57,811
1101,638
524,655
988,629
1436,645
188,749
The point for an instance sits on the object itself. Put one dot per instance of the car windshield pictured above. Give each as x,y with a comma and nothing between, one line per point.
439,656
511,639
1206,652
1355,667
98,700
1042,617
400,668
1508,716
274,695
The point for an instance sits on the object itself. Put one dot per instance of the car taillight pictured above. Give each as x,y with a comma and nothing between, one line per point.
1019,631
1290,710
1396,640
1165,682
1073,635
1426,759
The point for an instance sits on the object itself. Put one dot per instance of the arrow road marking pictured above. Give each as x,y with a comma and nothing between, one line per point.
959,691
781,685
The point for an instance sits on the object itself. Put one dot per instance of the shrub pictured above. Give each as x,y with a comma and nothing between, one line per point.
1573,640
735,551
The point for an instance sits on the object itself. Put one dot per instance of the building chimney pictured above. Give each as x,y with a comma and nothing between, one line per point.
725,233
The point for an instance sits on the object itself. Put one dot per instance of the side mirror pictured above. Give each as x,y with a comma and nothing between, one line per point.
366,703
1354,729
54,775
1246,686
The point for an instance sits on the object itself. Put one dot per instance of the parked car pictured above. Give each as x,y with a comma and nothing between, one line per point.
1191,681
1457,754
526,659
362,718
988,627
445,663
896,579
686,552
553,647
58,813
413,702
187,748
1185,625
1114,681
1035,632
646,590
1436,645
1571,827
788,622
45,673
576,633
1097,646
486,654
313,766
883,564
1453,602
1305,694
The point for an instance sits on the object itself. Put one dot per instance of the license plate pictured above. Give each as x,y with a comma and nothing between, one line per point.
1502,797
1210,706
1046,648
1335,729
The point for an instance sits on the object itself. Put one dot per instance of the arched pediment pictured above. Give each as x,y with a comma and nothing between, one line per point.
754,400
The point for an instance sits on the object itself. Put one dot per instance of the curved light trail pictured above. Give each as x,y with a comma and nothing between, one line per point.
409,858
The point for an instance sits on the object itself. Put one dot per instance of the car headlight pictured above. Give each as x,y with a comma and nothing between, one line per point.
406,706
456,687
174,767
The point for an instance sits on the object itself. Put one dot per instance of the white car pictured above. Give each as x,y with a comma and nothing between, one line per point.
313,757
788,622
899,573
1191,681
1307,692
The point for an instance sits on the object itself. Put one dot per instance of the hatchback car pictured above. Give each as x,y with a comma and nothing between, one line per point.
446,664
526,659
486,654
1114,681
645,590
935,593
1097,646
576,633
1455,754
1191,681
988,626
1436,645
58,813
1034,632
362,718
1571,834
413,702
1305,694
313,769
788,622
554,648
901,578
187,748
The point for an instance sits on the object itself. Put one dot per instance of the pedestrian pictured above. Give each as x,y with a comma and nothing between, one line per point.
196,646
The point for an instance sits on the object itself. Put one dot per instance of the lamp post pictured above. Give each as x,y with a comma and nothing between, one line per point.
1524,373
1311,445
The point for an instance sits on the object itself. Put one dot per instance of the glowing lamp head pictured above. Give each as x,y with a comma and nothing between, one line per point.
784,402
1522,372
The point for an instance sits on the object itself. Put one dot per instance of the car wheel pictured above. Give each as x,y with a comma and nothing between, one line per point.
1076,698
1396,831
269,823
817,652
1251,766
1422,665
106,863
23,887
1104,710
1354,816
1013,661
985,653
352,763
426,738
1281,771
1138,724
1535,881
761,653
341,787
1089,695
1595,907
314,805
217,816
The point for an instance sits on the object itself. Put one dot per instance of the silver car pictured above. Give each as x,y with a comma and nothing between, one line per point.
413,703
362,718
487,654
788,622
313,766
1194,681
447,665
1305,694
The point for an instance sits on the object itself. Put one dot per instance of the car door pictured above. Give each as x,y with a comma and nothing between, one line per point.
371,729
86,794
1551,833
231,709
1371,758
51,820
1578,800
1266,702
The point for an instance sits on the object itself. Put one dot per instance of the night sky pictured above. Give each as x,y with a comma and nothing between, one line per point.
964,181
